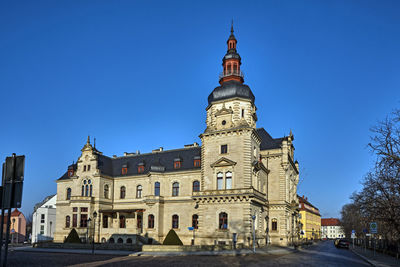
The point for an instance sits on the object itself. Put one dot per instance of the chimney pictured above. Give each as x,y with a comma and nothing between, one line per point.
114,156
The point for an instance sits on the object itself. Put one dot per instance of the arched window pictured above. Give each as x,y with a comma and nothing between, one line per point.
67,222
86,190
122,192
68,193
228,180
196,186
235,68
111,240
139,191
195,221
103,240
223,220
105,221
106,190
274,225
83,190
157,188
150,223
129,241
175,221
120,240
175,189
139,221
122,221
220,181
229,69
90,190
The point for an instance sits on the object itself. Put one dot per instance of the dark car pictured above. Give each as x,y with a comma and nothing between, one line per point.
342,243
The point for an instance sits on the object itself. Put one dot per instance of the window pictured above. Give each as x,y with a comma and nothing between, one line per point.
235,68
120,240
150,223
111,240
197,163
223,220
122,221
90,190
196,186
224,149
83,190
156,188
242,113
103,240
140,169
228,180
74,209
129,241
74,220
70,173
84,209
124,171
42,218
122,192
175,189
86,190
139,221
67,222
220,181
68,193
42,229
175,221
106,190
274,225
139,191
88,167
84,168
83,220
195,221
177,164
105,221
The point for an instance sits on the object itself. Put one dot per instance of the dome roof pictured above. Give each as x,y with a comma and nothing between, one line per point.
231,89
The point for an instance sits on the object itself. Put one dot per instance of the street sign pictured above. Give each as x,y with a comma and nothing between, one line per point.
190,228
373,228
368,234
353,231
12,231
353,235
365,230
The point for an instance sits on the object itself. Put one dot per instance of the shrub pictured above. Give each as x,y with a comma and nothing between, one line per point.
73,237
172,239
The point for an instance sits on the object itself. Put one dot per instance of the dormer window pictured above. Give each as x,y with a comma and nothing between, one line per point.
124,171
70,173
140,169
177,163
196,161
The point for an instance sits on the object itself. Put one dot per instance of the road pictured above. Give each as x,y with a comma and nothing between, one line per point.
321,254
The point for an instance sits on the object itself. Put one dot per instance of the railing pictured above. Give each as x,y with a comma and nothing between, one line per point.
225,192
229,73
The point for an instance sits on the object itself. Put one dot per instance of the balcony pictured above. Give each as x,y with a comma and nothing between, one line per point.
230,193
230,73
82,199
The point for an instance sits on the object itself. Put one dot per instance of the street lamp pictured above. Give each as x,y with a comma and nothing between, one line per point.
254,233
13,231
94,229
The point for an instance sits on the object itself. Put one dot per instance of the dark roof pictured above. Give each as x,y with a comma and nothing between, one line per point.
267,141
231,89
65,175
157,162
38,205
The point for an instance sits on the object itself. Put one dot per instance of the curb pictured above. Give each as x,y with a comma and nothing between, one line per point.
363,257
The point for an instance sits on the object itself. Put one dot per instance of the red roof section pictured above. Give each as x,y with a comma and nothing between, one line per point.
16,212
330,222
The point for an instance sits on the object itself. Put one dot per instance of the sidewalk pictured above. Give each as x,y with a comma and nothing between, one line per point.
378,260
270,250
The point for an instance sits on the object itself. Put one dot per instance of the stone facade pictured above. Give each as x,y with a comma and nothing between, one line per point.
239,179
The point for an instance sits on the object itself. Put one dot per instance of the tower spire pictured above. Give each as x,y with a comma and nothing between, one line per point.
232,28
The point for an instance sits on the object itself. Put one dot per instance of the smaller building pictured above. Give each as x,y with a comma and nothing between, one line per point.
310,220
331,228
17,226
44,220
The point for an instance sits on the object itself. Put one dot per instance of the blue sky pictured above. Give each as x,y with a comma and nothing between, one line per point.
136,75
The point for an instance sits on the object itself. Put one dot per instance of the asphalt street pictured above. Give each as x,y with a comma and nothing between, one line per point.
321,254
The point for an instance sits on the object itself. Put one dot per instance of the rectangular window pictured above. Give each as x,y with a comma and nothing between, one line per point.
75,209
74,220
274,225
124,171
177,165
84,209
228,181
220,182
42,218
105,221
196,163
224,149
84,168
42,229
83,220
88,167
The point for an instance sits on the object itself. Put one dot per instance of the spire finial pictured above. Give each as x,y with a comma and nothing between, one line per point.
232,27
94,142
88,139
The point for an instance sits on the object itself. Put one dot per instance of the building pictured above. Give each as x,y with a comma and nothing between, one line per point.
310,220
44,220
17,226
331,228
239,177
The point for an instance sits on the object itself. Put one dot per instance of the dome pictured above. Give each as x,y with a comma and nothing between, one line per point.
231,89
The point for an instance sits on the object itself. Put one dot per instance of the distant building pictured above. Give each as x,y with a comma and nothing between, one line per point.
17,226
331,228
44,220
310,220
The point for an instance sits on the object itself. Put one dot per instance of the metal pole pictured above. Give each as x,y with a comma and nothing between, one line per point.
94,231
194,229
254,234
9,211
1,231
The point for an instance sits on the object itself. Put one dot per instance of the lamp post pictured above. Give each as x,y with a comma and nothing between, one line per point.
94,229
13,232
254,233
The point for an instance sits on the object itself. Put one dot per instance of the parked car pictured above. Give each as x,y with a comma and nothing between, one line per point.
343,243
336,242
